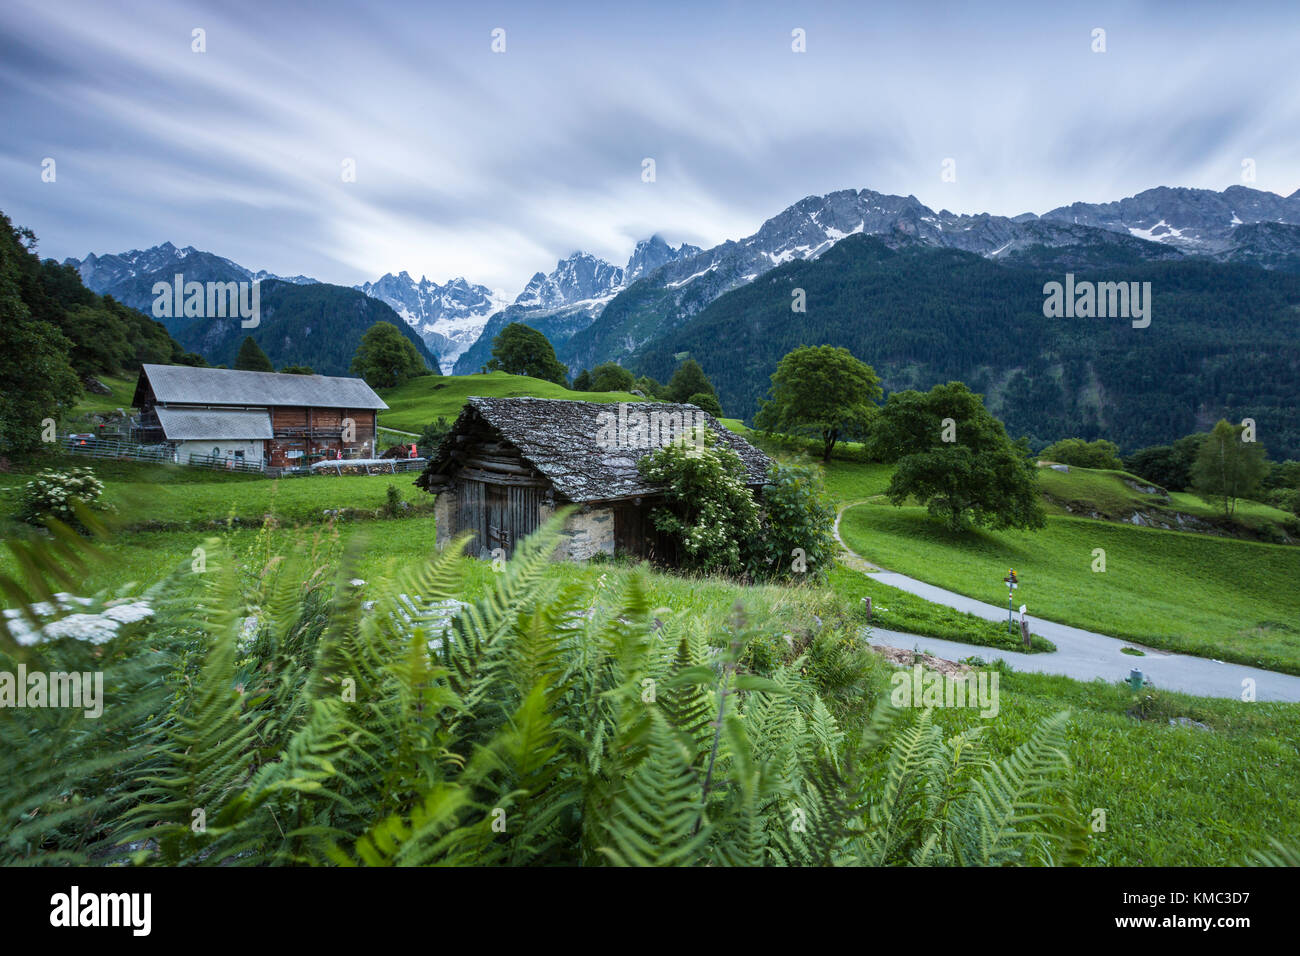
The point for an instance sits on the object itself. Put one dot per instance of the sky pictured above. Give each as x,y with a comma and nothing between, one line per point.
493,165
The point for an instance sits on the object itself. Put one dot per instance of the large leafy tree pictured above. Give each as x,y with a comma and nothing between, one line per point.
385,358
251,358
951,453
821,390
36,379
688,380
1227,468
522,350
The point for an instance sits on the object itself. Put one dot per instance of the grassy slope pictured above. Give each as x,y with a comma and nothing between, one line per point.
123,390
426,399
1086,490
1216,597
1246,768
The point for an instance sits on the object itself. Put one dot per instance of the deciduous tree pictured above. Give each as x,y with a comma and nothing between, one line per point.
522,350
1227,468
952,454
821,390
385,358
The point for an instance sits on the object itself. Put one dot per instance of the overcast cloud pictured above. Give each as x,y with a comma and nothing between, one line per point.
493,166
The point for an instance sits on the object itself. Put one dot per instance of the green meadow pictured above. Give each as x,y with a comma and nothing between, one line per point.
1198,594
424,400
1171,795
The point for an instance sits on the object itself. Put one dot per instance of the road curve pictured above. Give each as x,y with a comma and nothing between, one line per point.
1083,655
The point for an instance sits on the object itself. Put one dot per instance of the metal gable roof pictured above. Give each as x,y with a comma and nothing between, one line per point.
182,384
199,424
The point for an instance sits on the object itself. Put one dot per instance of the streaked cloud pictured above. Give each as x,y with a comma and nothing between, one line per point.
493,166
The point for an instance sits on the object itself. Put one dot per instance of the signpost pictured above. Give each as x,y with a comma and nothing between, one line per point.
1011,583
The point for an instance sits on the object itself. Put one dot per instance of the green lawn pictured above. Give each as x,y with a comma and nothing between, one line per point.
848,481
1172,795
896,610
430,397
1214,597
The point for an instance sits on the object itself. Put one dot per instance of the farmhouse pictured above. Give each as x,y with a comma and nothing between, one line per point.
509,463
255,418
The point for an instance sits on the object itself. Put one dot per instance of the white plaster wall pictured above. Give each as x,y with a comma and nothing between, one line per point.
226,447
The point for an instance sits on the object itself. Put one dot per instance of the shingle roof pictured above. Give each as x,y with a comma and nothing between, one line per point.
194,424
567,441
222,386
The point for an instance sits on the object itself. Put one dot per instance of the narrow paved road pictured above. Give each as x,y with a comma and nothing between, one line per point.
1083,655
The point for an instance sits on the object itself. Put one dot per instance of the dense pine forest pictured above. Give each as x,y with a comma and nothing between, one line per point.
1224,340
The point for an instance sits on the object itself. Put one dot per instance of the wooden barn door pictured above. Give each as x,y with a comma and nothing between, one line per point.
629,534
472,512
513,513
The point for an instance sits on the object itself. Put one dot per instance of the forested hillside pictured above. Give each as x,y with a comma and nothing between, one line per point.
1224,339
316,325
56,335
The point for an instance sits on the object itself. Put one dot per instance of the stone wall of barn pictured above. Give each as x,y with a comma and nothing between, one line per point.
587,533
444,516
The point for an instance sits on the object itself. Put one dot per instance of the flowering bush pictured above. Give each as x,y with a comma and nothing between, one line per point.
51,494
94,622
710,513
720,526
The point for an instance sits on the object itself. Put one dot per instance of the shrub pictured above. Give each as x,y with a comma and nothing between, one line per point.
798,519
707,401
55,494
1084,454
431,437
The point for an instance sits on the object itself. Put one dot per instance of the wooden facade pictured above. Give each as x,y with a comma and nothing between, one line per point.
509,463
306,434
311,418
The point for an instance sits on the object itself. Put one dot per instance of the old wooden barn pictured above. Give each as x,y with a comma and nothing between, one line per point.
508,463
268,418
